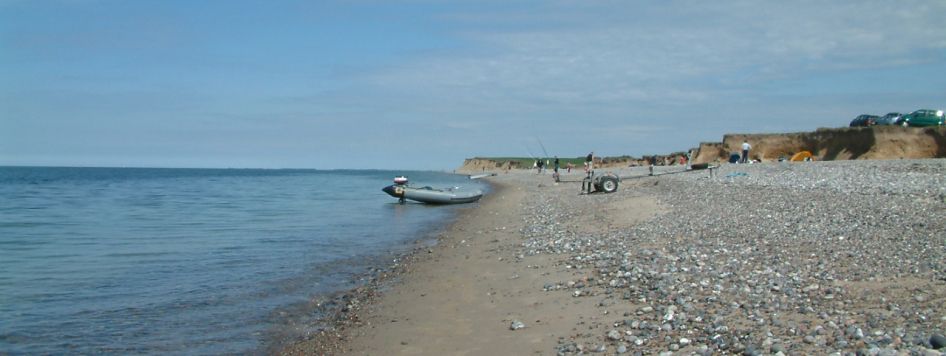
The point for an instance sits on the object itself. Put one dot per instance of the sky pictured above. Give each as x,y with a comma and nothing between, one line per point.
425,84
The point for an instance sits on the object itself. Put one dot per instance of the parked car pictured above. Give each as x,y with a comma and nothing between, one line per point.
889,119
923,117
864,120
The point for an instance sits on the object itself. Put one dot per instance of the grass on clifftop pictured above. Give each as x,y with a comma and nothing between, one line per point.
577,161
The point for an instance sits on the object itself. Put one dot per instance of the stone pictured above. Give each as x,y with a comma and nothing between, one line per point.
516,325
751,351
938,341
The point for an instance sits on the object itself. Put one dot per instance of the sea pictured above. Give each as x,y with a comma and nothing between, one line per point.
192,261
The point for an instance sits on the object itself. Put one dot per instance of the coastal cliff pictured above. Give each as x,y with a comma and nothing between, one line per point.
877,142
825,144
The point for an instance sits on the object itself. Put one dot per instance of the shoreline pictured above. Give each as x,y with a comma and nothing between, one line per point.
758,259
412,309
345,309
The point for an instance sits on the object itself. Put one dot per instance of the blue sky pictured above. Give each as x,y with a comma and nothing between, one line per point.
425,84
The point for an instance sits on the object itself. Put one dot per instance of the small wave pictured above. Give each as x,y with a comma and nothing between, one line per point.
135,254
22,224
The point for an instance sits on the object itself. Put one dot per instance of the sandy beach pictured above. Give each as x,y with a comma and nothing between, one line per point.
844,257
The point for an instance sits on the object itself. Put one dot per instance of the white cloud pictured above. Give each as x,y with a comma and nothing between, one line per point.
698,42
629,60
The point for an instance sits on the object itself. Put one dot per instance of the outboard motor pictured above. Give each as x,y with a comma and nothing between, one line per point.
397,189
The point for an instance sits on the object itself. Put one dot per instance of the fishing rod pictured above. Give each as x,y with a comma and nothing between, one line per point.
543,148
528,150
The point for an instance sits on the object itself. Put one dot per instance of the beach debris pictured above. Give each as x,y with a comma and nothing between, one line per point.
516,325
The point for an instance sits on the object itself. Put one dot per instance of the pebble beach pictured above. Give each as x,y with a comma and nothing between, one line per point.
840,257
845,257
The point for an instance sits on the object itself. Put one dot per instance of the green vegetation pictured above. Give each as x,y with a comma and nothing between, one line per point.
528,161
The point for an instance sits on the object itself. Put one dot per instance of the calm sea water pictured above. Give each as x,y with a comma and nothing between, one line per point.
188,261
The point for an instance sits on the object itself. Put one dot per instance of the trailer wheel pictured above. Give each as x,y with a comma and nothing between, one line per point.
608,185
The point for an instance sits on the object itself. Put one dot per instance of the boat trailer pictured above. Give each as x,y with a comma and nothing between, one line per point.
608,182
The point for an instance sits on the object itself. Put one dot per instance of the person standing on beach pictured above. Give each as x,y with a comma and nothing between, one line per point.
555,175
589,163
745,151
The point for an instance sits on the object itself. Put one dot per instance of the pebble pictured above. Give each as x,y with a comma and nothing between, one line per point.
751,351
938,341
516,325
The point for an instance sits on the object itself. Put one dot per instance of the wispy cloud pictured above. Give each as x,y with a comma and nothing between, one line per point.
683,56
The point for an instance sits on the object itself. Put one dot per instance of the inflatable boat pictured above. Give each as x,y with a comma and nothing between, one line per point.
430,195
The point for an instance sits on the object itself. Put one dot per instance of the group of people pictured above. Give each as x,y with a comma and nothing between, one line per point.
539,165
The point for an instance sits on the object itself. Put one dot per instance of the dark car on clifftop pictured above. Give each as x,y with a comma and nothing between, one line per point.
864,120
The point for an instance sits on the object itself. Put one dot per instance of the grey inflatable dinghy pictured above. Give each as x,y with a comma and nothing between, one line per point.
430,195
